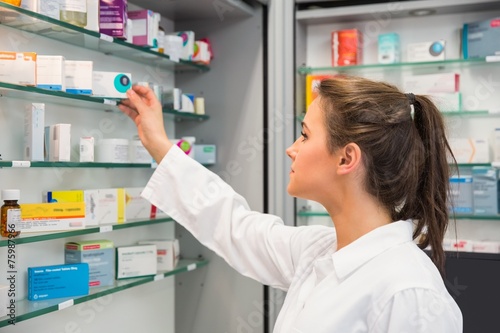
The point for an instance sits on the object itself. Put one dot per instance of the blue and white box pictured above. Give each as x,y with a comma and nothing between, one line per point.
78,76
50,72
388,48
111,84
426,51
47,282
461,194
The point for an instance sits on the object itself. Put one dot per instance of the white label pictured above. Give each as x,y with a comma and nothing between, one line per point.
106,37
139,28
191,267
106,228
159,277
74,6
13,219
109,102
21,164
66,304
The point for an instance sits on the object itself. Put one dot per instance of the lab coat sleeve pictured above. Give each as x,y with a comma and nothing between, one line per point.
419,310
257,245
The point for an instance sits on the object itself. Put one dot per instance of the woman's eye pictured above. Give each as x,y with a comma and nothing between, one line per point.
304,136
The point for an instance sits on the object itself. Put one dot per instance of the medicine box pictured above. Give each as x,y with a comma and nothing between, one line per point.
136,207
312,83
470,150
48,8
205,154
187,50
485,190
4,300
135,261
60,143
113,18
462,245
92,15
173,46
347,47
18,68
461,194
111,205
98,254
426,51
388,48
40,217
47,282
111,84
89,197
144,27
201,52
432,83
78,76
167,251
34,132
86,149
486,247
50,72
481,39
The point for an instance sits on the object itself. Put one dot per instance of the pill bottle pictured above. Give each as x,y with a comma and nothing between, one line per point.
10,213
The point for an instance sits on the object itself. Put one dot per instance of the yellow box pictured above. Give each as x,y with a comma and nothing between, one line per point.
39,217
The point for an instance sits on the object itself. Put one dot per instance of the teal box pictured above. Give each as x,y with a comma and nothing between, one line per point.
485,190
389,48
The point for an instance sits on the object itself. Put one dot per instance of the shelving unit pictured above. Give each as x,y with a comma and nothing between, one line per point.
25,238
31,309
25,20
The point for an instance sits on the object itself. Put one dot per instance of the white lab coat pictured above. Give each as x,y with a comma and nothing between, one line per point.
380,283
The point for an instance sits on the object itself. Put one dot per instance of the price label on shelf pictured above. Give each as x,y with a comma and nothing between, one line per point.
107,38
159,277
191,267
21,164
65,304
106,228
110,102
174,58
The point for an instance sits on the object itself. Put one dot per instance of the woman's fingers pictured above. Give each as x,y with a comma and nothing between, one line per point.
147,95
132,113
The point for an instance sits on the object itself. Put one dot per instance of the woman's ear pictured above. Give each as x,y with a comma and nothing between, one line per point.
349,158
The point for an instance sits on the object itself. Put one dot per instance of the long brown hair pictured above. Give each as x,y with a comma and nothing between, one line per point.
403,139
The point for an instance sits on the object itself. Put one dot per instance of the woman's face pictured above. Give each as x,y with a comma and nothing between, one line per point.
313,166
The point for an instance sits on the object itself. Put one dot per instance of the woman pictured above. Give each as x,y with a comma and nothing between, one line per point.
375,158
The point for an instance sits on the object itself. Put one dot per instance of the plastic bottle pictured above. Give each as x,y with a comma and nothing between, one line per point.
12,2
74,12
11,213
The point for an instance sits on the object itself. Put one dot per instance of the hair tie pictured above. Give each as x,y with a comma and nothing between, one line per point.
411,99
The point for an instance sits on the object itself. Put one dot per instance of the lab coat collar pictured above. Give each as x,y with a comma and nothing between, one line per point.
351,257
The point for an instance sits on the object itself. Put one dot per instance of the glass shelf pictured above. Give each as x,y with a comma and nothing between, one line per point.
25,20
465,114
180,116
438,65
458,217
44,164
30,309
24,238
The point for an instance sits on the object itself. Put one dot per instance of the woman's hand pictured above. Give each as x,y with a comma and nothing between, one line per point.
145,110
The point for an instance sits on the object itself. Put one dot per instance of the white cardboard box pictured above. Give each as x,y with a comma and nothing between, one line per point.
136,207
50,72
470,150
168,253
60,143
134,261
34,129
78,76
111,206
18,68
111,84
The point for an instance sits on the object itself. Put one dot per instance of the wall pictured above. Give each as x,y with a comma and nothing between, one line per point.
219,299
147,308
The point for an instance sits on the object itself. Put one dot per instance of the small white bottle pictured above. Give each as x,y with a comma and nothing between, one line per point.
74,12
